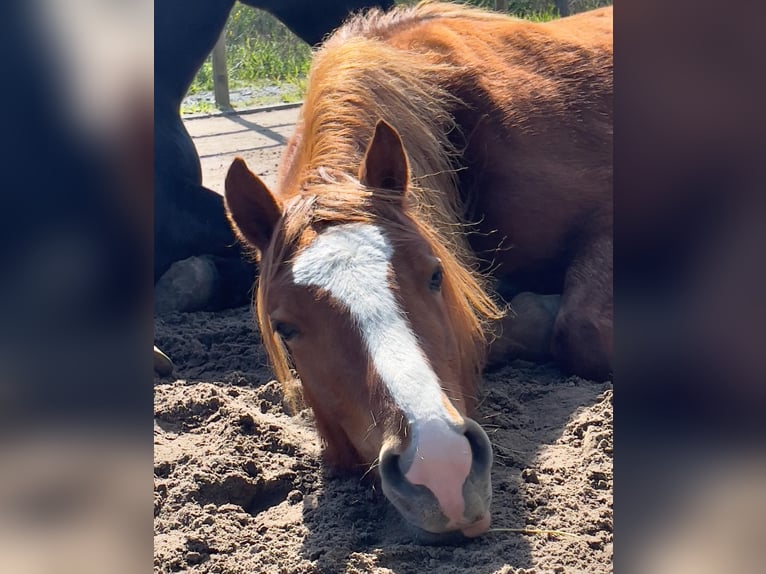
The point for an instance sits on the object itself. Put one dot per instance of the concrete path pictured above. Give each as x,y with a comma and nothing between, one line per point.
257,136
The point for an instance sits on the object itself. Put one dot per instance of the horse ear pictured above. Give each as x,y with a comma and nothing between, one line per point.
385,163
251,208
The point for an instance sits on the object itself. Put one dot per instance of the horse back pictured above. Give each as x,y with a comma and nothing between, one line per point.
535,130
532,105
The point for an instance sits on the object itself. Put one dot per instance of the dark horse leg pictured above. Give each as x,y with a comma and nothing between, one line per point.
582,332
190,220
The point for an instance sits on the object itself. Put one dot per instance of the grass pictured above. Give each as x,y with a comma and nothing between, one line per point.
248,95
199,107
265,57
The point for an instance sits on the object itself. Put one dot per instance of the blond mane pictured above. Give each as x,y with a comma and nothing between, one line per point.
357,79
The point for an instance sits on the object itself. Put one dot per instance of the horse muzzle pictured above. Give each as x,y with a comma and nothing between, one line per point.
441,482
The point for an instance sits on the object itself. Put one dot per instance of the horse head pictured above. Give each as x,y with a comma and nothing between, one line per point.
358,294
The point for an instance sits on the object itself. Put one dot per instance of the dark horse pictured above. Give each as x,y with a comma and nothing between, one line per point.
189,218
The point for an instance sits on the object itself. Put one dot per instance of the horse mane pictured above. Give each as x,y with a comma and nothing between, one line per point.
356,79
380,24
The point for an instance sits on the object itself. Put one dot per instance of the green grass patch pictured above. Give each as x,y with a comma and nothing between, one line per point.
198,107
256,94
259,48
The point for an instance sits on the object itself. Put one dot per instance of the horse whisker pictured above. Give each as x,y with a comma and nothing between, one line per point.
375,464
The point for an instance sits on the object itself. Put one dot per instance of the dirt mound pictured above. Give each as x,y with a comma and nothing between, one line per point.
240,488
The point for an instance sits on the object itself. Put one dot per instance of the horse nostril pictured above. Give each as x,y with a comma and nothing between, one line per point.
395,486
391,470
481,448
389,465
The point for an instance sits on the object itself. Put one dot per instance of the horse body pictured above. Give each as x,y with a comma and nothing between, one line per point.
533,110
416,124
536,168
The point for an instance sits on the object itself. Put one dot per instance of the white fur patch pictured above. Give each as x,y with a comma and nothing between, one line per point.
352,263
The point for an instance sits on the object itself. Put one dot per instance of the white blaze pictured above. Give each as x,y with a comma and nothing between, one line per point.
352,263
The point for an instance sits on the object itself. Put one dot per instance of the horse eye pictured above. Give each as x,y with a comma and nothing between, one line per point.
285,330
435,284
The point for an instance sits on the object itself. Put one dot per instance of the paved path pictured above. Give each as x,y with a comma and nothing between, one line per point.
257,136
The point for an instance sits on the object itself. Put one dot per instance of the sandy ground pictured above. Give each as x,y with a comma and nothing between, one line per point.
239,486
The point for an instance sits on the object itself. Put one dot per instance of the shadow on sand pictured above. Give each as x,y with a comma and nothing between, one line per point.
524,409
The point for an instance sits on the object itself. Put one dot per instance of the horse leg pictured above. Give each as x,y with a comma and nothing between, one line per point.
193,240
526,331
582,332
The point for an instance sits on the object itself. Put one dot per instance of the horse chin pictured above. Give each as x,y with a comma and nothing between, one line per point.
436,534
449,538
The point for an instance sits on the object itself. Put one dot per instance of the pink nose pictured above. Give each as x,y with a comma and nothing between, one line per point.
441,481
441,463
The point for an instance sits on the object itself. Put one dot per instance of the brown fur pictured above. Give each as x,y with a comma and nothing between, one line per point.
507,129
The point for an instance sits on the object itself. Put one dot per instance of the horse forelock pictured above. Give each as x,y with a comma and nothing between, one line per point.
356,80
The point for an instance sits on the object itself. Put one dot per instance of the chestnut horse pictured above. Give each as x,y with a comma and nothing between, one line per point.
435,143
